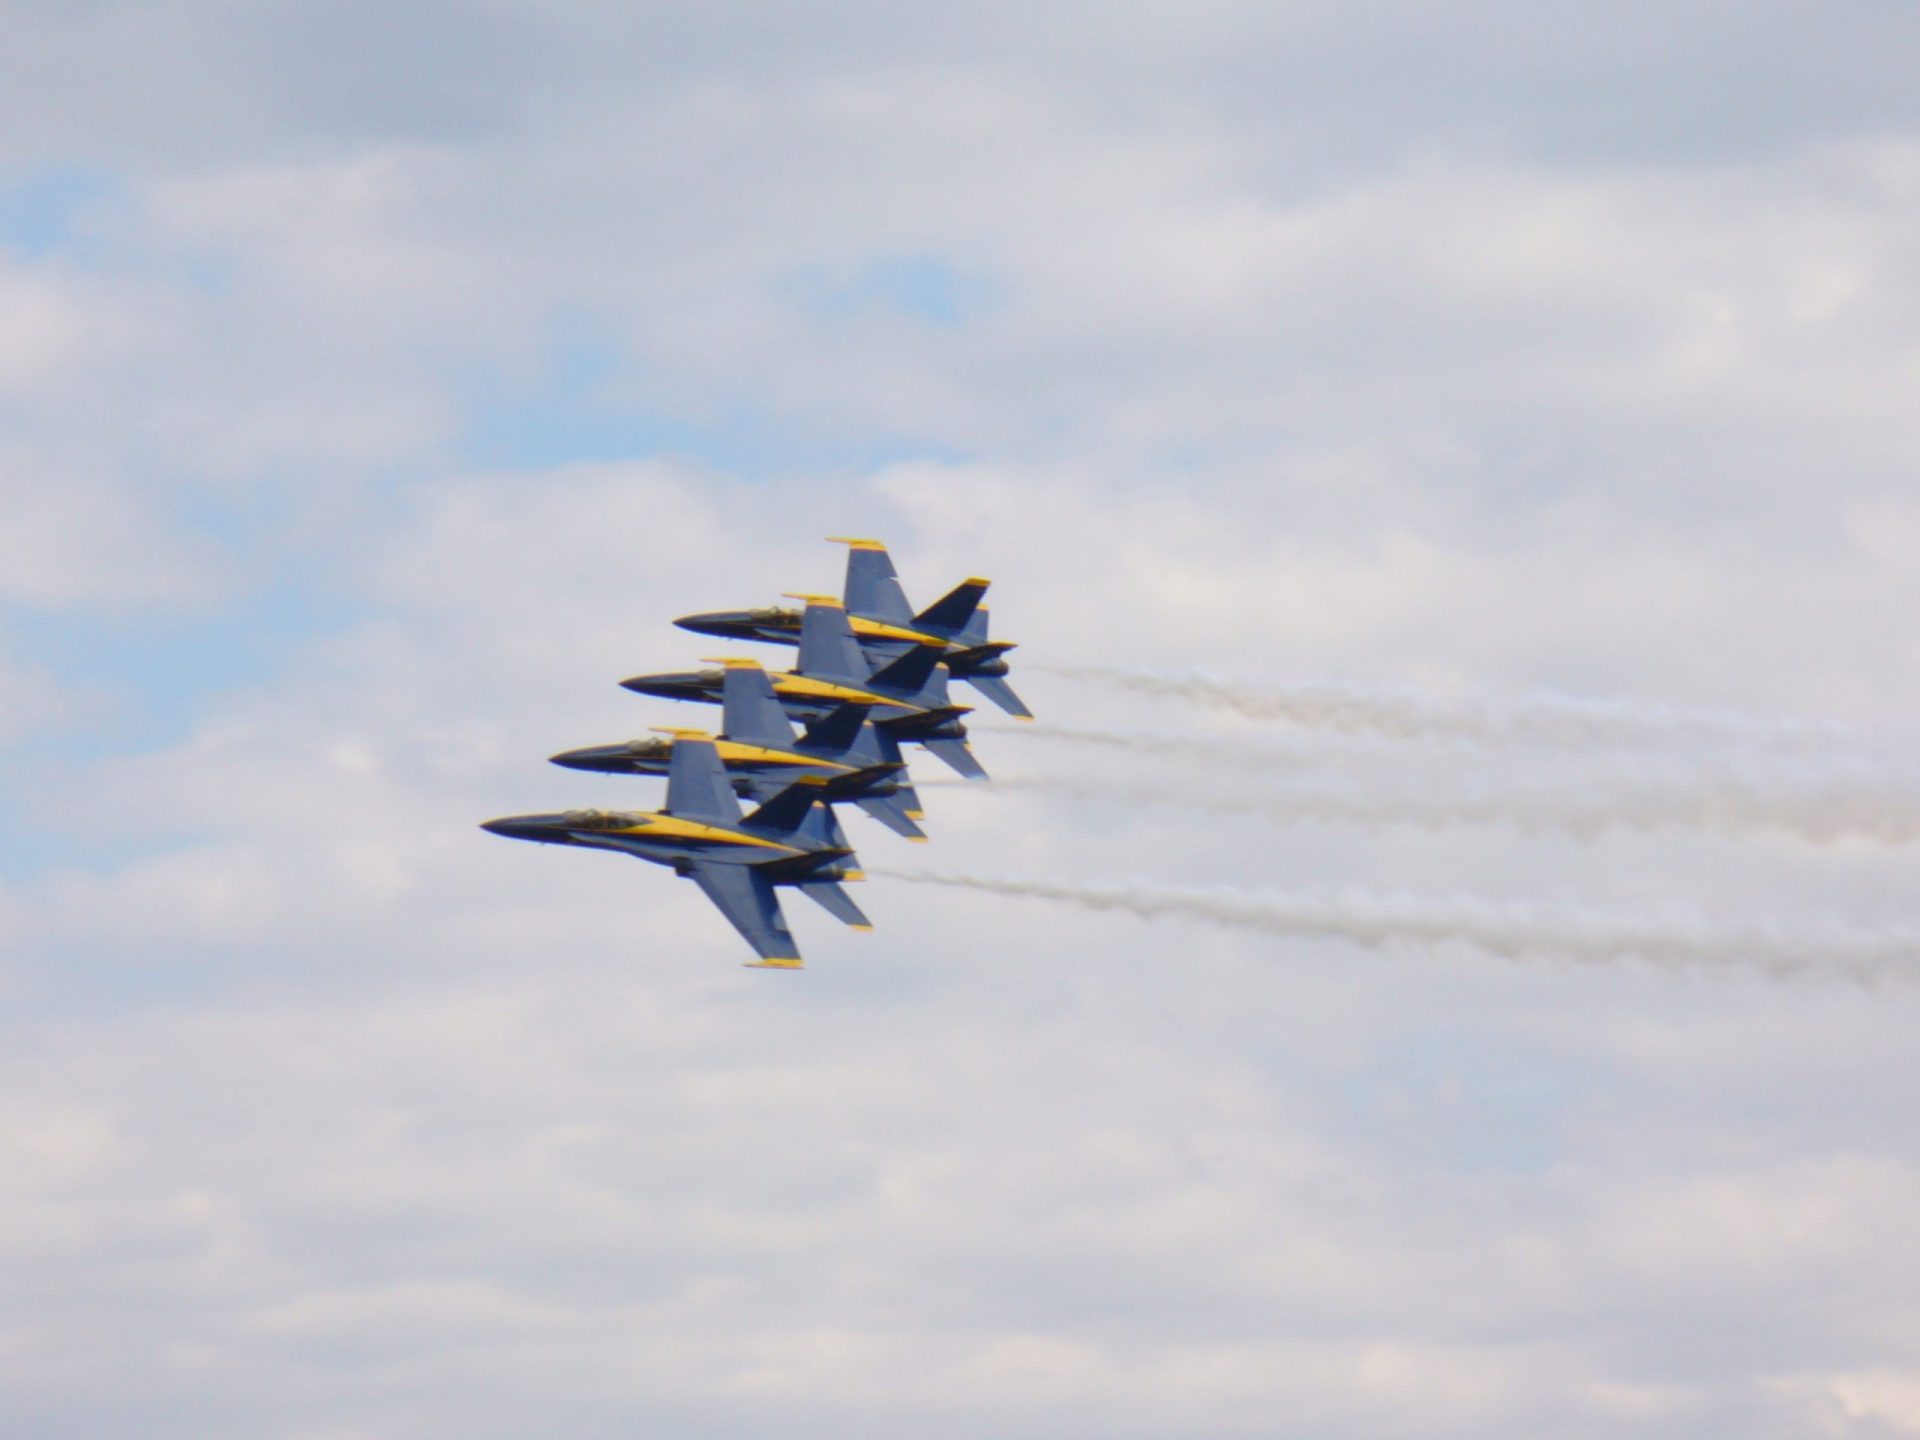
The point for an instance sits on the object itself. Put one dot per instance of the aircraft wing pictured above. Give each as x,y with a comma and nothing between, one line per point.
746,898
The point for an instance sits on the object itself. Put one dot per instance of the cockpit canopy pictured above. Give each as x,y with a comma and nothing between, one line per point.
598,820
774,615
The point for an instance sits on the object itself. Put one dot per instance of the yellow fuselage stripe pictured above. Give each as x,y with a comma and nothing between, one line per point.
873,630
672,827
760,754
807,689
880,630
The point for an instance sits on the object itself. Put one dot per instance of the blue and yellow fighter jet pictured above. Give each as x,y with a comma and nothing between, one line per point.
907,696
853,760
886,626
738,860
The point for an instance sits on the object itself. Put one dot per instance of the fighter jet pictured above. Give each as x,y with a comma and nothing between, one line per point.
908,696
886,626
756,744
736,859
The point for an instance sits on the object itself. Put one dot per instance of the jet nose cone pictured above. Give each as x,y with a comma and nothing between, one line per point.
676,685
518,827
592,757
726,623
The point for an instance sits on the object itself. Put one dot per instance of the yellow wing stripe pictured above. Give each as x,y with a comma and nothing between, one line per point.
856,544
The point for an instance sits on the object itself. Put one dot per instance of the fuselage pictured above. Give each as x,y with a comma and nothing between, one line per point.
674,841
749,767
778,625
806,698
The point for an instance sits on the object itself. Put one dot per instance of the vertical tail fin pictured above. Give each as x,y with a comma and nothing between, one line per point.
749,708
909,674
827,647
788,811
955,610
697,784
974,632
873,587
838,730
887,746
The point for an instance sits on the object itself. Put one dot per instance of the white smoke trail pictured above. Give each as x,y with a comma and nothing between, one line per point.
1551,719
1824,810
1105,739
1508,929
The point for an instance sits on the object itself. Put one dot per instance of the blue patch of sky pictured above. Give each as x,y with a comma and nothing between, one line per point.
90,219
155,675
922,287
160,669
146,677
40,213
576,408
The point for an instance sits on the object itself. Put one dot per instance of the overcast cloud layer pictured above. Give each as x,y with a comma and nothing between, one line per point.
377,381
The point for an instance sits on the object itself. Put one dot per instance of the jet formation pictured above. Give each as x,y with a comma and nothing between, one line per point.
871,677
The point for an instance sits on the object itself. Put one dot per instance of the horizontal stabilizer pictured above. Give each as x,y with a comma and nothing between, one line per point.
835,901
1001,693
953,610
891,811
958,756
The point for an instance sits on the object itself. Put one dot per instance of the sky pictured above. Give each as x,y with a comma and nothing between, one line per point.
1450,470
